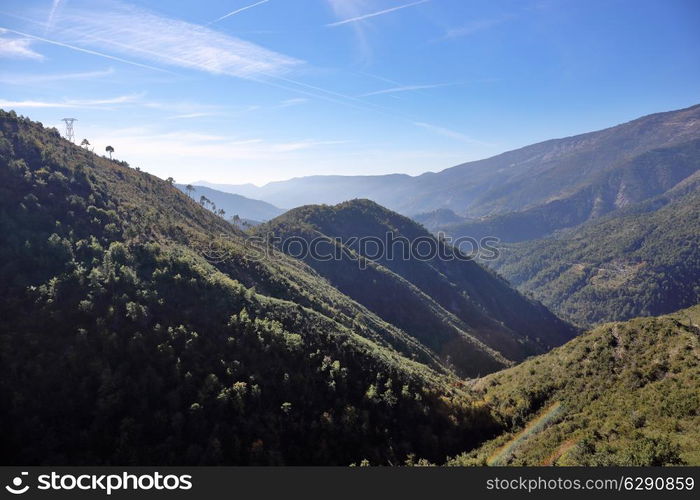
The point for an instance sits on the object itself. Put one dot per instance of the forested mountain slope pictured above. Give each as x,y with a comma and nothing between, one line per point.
537,174
622,394
121,344
638,261
457,308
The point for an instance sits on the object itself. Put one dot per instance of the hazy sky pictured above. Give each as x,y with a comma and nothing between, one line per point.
241,91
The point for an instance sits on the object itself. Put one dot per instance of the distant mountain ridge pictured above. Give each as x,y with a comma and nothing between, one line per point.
634,180
234,204
524,179
325,189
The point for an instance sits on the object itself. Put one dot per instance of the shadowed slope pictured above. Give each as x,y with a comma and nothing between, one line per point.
451,305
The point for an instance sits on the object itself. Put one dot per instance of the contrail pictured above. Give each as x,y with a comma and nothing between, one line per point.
375,14
238,11
52,13
407,88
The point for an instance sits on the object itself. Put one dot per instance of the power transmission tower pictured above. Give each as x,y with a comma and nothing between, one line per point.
70,135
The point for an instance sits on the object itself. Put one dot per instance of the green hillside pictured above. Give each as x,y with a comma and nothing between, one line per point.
467,315
639,261
622,394
139,328
121,344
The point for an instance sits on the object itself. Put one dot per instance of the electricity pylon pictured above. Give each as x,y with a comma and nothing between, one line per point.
70,135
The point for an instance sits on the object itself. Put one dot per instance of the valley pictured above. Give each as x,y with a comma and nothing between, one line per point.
173,340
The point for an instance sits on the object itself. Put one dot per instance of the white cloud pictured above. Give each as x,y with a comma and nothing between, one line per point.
202,147
161,41
81,49
173,110
70,103
183,153
32,104
24,79
138,33
18,48
235,159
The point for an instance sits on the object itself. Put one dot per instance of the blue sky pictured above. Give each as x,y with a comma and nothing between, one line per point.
236,91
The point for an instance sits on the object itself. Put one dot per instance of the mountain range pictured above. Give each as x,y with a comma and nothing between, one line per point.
591,225
140,327
247,209
630,181
550,185
165,323
641,260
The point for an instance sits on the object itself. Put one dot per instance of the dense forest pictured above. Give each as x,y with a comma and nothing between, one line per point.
639,261
121,344
622,394
139,328
469,316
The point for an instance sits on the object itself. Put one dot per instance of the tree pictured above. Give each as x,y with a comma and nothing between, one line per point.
190,189
222,212
84,143
170,180
110,150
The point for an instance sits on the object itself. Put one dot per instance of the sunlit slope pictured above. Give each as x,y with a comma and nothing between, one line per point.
623,394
